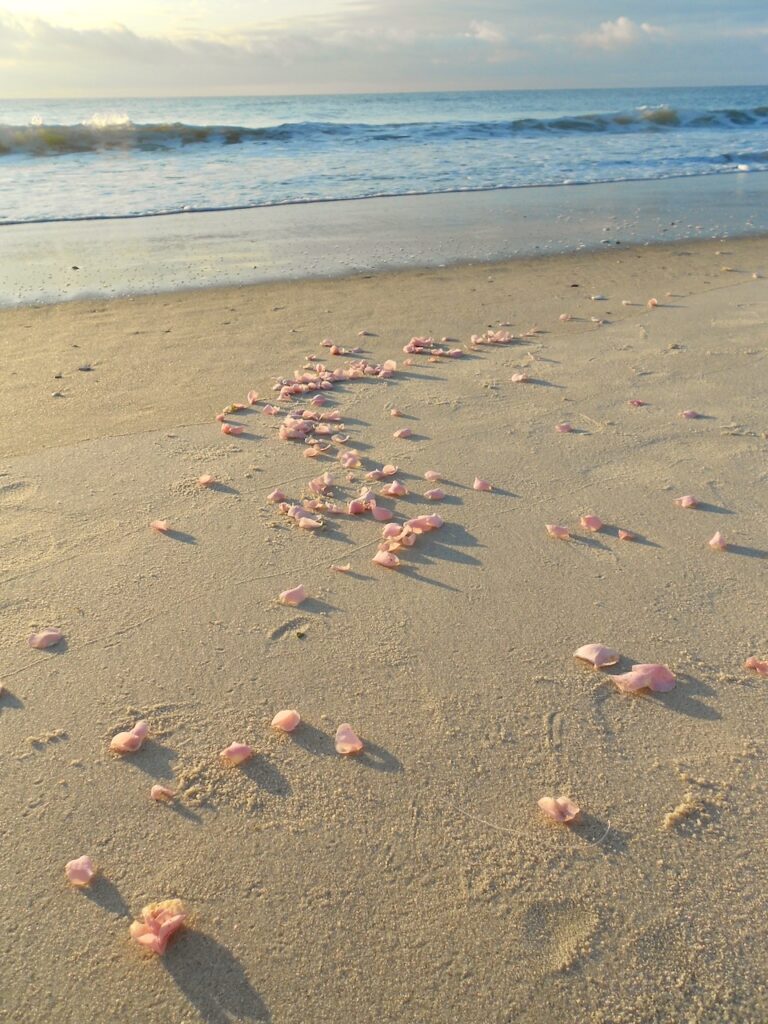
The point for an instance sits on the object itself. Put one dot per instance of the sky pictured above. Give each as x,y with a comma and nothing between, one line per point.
122,48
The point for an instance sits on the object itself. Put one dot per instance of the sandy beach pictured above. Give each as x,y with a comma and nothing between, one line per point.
417,882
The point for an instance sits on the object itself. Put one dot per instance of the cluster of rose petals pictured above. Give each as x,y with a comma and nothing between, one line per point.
493,338
597,655
293,597
593,523
45,638
559,532
429,347
286,721
347,741
162,794
646,677
559,808
80,872
481,485
236,753
718,542
687,501
129,742
761,667
158,922
160,525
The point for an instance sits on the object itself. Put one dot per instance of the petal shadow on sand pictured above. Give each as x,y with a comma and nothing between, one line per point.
105,894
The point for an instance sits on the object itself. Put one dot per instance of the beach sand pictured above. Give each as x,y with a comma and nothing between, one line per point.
418,882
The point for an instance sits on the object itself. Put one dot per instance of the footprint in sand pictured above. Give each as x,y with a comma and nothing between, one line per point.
556,933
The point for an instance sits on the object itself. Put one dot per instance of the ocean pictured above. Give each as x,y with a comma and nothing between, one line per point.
66,160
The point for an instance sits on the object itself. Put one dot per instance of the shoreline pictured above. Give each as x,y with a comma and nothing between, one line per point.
60,261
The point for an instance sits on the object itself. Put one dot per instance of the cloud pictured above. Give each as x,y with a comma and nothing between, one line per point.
486,32
621,33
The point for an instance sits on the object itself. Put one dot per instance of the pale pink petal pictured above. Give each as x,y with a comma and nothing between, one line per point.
340,438
627,535
293,597
206,480
652,303
389,470
130,742
433,476
636,402
405,432
308,523
270,410
342,568
435,494
231,428
593,523
277,495
236,753
394,490
347,741
162,793
80,872
560,532
597,655
690,414
563,428
395,412
687,501
253,397
565,317
160,525
312,453
482,485
761,667
391,530
45,638
286,721
651,677
386,559
381,515
158,923
718,542
220,417
519,378
559,808
356,507
375,474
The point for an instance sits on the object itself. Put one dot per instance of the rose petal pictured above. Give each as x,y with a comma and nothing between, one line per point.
718,542
277,495
162,794
129,742
342,568
560,532
253,397
395,412
45,638
651,677
389,470
80,872
386,559
159,921
293,597
652,303
405,432
160,525
686,501
597,655
381,515
761,667
563,428
394,490
435,494
206,480
519,378
236,753
286,721
433,476
559,808
627,535
636,402
690,414
593,523
233,429
481,485
347,741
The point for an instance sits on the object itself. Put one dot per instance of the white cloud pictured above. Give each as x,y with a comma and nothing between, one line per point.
486,32
618,34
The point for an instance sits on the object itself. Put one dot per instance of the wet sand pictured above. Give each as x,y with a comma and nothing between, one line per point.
417,882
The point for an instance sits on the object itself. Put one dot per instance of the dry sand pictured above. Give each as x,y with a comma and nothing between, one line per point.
419,882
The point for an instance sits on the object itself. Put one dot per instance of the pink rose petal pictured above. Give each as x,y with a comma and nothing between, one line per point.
160,525
293,597
158,923
389,470
129,742
687,501
636,402
395,412
593,523
356,507
652,303
560,532
236,753
718,542
342,568
347,741
405,432
597,655
627,535
286,721
206,480
80,872
277,495
45,638
381,515
391,530
386,559
435,494
690,414
559,808
519,378
233,429
761,667
563,428
433,476
253,397
394,490
481,485
162,794
651,677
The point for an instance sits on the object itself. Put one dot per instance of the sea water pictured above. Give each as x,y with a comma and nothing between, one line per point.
83,159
